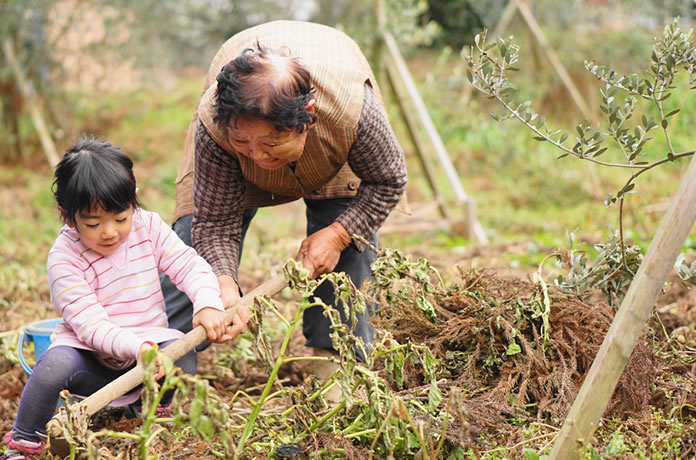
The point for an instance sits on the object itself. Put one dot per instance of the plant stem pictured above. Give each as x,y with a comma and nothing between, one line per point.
330,414
271,381
360,433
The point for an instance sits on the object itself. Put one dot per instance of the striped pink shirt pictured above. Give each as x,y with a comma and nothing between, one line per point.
112,304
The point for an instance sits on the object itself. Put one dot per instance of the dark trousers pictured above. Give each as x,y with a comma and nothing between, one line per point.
315,326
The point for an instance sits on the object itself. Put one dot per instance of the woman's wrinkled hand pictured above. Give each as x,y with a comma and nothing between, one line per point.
320,251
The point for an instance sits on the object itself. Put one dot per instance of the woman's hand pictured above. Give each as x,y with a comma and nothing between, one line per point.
320,251
230,295
158,362
213,321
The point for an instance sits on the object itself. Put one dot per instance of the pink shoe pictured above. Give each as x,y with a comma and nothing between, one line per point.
21,446
135,410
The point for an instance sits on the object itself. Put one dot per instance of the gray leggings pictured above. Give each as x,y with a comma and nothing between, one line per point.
315,326
67,368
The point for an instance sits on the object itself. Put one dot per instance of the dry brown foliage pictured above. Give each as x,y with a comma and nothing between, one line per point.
483,315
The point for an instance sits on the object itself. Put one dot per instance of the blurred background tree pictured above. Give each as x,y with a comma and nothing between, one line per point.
77,46
68,47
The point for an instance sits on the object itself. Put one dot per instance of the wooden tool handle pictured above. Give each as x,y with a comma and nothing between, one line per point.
176,350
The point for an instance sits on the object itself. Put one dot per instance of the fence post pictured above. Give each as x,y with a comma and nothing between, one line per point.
625,330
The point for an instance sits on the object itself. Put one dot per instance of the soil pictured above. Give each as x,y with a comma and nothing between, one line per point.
546,376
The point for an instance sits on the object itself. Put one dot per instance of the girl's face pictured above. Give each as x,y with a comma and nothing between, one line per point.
102,231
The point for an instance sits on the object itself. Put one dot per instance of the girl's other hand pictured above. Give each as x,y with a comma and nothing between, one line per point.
213,321
160,368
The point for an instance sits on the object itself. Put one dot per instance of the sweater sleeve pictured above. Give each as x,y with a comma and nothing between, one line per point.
378,160
77,303
218,204
187,270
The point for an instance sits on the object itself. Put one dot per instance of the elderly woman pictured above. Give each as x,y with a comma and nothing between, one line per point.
290,110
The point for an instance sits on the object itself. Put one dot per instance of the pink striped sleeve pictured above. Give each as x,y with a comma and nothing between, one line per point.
187,270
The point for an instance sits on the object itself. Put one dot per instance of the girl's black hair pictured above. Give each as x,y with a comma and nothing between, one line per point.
94,174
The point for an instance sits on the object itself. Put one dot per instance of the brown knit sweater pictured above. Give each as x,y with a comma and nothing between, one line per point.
218,190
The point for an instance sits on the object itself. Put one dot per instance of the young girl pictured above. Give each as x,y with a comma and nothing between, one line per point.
103,272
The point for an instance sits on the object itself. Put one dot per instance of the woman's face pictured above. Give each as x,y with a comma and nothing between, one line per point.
262,142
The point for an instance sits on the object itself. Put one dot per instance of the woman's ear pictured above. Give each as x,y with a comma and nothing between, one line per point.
64,217
311,107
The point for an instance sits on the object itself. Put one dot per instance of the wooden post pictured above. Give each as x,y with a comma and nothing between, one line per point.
26,89
176,350
625,330
474,228
505,19
541,39
412,130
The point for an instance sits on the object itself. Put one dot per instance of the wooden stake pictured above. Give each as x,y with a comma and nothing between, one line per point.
475,230
412,130
625,330
26,89
176,350
560,70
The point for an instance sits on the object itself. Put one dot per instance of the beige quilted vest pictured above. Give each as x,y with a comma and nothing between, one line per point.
339,72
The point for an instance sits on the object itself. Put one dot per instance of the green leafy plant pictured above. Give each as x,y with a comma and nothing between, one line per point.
489,67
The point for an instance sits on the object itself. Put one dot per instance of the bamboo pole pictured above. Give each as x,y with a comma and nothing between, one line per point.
176,350
625,330
505,19
475,229
412,130
422,113
26,89
560,70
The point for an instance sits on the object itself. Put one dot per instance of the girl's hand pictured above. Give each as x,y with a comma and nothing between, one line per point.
145,347
213,321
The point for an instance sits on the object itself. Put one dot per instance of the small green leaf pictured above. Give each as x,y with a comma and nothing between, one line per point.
664,124
673,112
530,454
434,396
513,349
539,138
196,409
600,151
205,427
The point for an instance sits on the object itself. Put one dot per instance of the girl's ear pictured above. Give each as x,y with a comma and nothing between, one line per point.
64,217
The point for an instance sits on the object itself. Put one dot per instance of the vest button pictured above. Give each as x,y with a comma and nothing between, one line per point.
317,191
352,185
